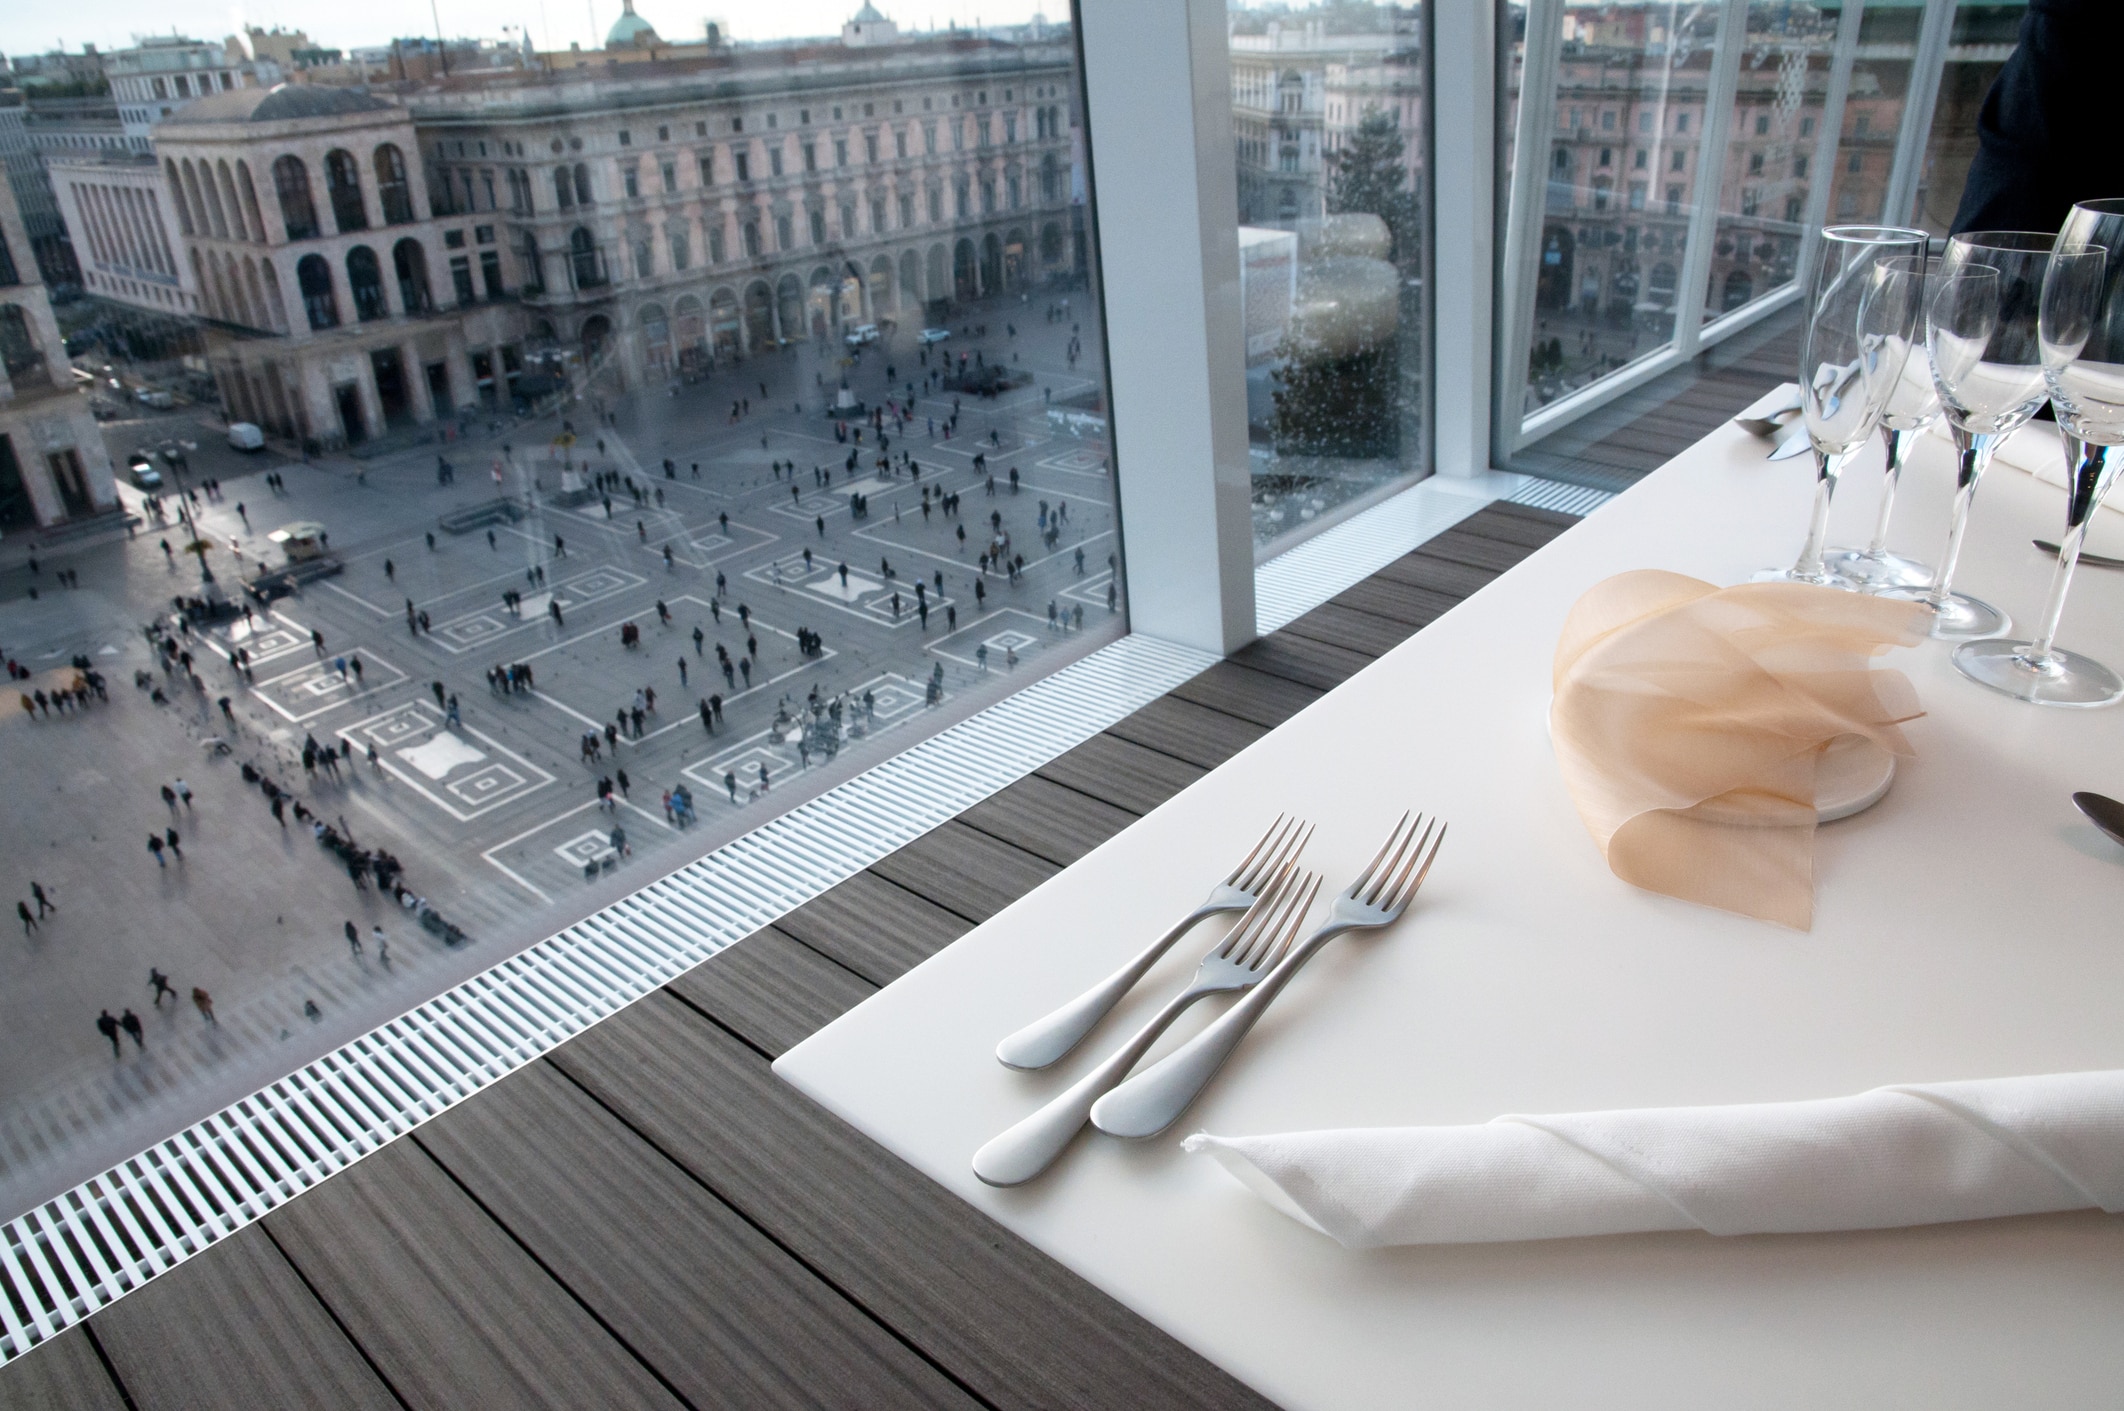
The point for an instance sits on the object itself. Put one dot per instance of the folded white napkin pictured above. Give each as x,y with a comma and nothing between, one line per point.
1907,1155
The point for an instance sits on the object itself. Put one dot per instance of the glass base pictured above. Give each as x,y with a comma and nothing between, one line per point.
1873,572
2067,679
1827,578
1960,618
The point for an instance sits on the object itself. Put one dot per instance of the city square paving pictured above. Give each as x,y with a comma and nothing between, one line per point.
495,813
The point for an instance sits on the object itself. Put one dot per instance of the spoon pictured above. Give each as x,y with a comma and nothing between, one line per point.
2105,813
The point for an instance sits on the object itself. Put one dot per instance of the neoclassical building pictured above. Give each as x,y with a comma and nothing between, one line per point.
373,256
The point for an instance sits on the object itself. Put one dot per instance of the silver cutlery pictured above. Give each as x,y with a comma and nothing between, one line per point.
2102,811
2087,560
1047,1039
1153,1100
1238,962
1795,444
1764,426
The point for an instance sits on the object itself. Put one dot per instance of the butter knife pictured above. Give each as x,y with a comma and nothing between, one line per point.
2090,560
1795,444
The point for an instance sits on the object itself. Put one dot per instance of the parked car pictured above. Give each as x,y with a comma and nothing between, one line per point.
155,397
932,335
245,436
862,333
141,471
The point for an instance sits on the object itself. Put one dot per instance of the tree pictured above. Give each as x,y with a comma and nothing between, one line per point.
1368,176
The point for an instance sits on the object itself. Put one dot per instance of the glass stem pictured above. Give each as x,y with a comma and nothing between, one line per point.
1898,449
1972,456
1826,469
2089,470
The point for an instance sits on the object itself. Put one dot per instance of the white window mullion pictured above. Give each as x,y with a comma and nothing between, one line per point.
1832,133
1710,176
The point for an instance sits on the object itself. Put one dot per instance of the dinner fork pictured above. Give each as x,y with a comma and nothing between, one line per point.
1238,962
1153,1100
1045,1040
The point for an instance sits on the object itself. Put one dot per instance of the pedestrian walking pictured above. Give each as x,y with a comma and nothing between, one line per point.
29,922
682,672
130,1022
108,1027
169,835
184,793
204,1003
383,945
353,939
169,798
160,984
155,847
730,783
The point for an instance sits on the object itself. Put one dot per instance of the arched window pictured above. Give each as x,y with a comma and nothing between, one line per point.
582,184
18,350
250,200
1740,288
365,280
314,277
215,215
291,182
392,188
184,208
275,309
410,261
343,184
564,188
583,256
228,199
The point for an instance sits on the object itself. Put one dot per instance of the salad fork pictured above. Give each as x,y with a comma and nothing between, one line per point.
1153,1100
1044,1040
1238,962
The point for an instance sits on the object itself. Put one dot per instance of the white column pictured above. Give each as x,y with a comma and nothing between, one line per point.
1158,79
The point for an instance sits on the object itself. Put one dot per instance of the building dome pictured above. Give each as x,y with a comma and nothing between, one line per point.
631,31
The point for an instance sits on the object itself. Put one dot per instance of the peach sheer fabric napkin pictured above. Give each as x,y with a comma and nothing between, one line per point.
1689,721
1920,1154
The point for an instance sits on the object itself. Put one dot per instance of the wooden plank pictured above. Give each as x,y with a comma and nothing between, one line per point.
1261,697
1485,520
1047,819
874,928
1121,772
1188,731
1398,602
237,1329
965,871
724,1315
1420,570
61,1373
1465,546
445,1304
1002,1319
1301,659
1345,627
772,991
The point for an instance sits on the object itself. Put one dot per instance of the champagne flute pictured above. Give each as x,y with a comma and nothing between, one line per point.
2082,331
1981,333
1864,309
1913,404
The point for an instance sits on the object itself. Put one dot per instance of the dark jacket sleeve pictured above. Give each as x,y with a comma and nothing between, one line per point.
2046,134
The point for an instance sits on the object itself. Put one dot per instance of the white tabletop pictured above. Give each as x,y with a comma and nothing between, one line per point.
1968,926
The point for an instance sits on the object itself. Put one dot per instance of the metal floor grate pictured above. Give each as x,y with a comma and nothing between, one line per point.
77,1253
1560,496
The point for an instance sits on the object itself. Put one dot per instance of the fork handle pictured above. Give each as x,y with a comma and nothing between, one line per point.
1047,1039
1032,1145
1153,1100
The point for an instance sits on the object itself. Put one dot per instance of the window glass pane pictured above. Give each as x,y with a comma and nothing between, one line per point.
1982,36
1602,283
1772,136
1878,94
1329,127
664,428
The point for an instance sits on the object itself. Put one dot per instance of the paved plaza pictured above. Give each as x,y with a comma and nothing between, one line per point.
745,572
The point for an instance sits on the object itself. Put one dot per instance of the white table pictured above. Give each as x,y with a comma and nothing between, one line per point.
1968,926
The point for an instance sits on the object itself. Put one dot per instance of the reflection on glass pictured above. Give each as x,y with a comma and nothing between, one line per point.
1912,404
1327,115
1874,102
554,454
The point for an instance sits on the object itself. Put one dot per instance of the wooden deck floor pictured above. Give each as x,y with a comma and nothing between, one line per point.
647,1218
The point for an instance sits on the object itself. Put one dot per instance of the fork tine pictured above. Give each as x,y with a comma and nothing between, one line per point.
1365,876
1286,850
1279,945
1264,937
1248,861
1402,893
1401,849
1256,915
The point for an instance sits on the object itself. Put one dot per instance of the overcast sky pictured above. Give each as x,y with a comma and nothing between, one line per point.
28,27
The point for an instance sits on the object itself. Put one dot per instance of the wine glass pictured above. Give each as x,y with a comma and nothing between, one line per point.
1864,308
1987,361
1913,404
2082,330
